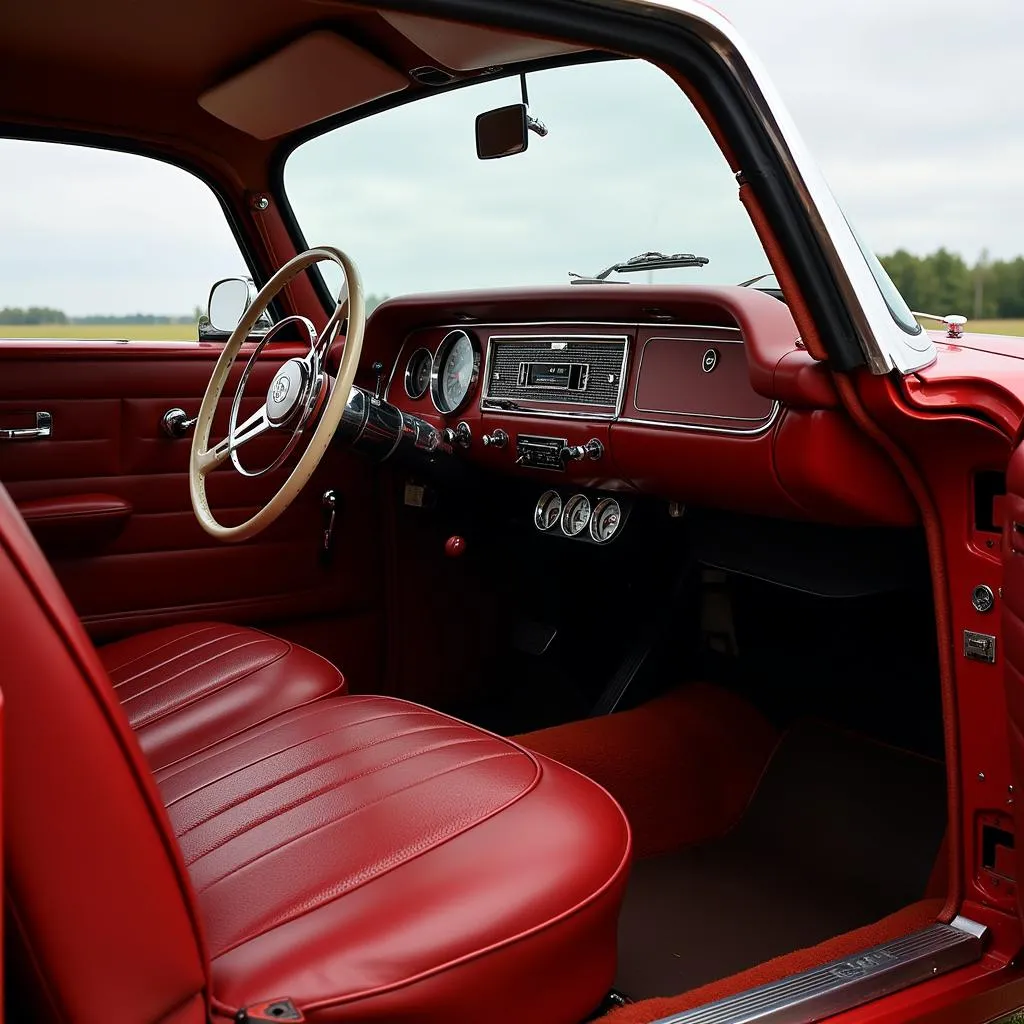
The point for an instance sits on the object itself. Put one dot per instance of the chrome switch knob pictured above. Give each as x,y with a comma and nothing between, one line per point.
593,449
499,439
461,435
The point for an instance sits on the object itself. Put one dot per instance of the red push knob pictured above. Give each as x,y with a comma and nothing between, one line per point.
455,547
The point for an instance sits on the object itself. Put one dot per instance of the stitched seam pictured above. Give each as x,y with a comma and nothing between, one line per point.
308,797
241,729
497,947
157,714
190,653
384,864
249,764
233,744
203,664
273,783
190,650
146,654
348,814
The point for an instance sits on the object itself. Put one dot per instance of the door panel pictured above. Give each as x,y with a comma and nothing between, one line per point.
107,400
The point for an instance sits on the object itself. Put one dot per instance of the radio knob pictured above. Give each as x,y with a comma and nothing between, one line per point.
593,449
499,439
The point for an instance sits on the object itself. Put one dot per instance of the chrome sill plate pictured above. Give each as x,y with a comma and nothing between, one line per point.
843,984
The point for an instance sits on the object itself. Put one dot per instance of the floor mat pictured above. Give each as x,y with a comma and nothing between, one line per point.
841,832
683,766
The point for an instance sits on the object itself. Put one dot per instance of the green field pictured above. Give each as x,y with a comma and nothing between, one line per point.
187,332
135,332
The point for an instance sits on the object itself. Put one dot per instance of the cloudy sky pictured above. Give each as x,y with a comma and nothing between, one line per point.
913,108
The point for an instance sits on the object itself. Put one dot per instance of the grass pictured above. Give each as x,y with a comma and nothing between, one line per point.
134,332
187,332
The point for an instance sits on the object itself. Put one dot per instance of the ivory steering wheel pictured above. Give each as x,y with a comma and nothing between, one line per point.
300,391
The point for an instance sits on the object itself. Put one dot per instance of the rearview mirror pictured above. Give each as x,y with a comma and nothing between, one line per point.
502,132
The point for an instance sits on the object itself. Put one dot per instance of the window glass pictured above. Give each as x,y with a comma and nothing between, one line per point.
101,244
628,167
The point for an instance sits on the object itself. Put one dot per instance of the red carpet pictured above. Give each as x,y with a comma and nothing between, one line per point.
683,766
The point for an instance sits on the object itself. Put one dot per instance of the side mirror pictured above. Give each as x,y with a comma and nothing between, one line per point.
502,132
229,299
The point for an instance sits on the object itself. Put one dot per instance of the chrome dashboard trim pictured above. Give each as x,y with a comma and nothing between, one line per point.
685,412
762,427
408,368
601,339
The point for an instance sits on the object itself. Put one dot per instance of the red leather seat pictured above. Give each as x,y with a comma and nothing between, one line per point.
366,858
369,858
186,687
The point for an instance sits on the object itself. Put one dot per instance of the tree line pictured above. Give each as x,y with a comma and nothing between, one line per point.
944,283
21,317
33,315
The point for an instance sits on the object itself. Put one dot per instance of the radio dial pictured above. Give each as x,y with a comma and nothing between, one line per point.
593,449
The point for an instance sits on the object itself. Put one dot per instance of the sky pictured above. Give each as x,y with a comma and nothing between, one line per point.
913,108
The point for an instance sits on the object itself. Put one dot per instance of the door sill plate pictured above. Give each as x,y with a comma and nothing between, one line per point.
843,984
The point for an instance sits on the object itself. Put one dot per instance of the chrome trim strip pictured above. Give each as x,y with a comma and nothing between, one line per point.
686,412
841,985
539,339
762,427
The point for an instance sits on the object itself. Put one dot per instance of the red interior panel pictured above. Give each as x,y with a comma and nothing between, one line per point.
696,376
158,567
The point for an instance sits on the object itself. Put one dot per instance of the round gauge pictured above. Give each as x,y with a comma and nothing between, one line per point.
456,367
417,373
575,515
605,521
548,510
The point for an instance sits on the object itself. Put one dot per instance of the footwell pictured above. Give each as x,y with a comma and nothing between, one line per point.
840,832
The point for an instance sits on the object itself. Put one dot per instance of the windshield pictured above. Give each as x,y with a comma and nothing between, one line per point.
628,167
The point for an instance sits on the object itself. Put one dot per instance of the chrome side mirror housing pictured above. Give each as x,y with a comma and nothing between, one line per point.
229,299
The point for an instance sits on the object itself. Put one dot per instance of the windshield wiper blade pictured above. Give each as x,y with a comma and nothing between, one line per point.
645,261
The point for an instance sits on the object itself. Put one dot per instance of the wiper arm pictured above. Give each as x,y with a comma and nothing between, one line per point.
645,261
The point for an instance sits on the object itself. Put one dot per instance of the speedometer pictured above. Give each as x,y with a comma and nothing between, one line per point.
456,368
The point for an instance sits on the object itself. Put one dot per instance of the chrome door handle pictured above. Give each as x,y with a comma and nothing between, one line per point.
43,428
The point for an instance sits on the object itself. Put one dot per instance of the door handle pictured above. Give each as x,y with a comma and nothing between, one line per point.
43,428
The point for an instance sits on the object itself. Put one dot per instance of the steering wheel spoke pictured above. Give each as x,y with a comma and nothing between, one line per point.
258,423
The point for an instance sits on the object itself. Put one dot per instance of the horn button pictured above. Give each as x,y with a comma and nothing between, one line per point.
287,391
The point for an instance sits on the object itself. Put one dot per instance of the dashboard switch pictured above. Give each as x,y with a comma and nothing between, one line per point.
499,439
461,435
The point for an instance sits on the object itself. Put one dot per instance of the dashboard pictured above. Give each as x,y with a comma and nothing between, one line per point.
605,393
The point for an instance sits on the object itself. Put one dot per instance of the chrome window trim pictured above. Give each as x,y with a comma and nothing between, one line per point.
883,343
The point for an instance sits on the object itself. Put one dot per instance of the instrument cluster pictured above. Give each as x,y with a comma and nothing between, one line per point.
576,517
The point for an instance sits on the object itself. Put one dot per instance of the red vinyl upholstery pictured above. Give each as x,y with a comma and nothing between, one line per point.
368,858
186,687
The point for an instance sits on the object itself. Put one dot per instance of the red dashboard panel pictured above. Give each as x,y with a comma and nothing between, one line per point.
700,414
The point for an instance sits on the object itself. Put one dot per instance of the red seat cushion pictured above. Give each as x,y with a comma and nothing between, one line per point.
186,687
370,858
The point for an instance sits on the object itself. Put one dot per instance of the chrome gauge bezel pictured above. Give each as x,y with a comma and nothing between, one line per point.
595,518
570,506
448,342
541,506
410,389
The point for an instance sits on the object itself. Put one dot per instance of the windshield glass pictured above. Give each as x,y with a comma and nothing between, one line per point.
628,167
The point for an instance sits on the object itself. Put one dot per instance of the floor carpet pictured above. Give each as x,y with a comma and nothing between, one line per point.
841,831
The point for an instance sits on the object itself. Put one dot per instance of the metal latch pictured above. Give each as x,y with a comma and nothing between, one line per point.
275,1009
329,505
980,647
